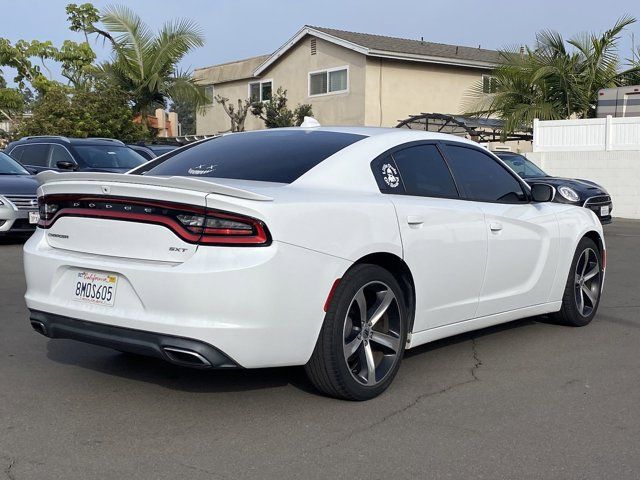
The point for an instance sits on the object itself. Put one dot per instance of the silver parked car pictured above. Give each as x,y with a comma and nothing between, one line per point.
18,201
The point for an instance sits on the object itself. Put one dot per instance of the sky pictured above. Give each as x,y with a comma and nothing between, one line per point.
236,29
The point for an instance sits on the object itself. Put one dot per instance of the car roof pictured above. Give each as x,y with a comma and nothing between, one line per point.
69,140
399,134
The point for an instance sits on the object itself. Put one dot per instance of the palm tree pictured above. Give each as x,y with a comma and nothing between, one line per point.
553,80
145,65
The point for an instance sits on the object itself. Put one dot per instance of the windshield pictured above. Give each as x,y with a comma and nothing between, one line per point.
522,166
268,155
8,166
109,156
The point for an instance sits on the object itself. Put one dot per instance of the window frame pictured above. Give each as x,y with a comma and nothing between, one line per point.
492,79
213,93
464,195
403,191
259,82
326,71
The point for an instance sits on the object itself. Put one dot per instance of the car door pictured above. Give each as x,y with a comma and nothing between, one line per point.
444,238
523,236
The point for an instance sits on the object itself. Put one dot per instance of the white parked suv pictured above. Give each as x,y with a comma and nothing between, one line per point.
333,248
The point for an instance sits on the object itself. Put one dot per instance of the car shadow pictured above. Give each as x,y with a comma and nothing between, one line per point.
13,239
152,370
174,377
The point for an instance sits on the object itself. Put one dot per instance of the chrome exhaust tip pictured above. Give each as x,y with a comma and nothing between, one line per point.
182,356
39,327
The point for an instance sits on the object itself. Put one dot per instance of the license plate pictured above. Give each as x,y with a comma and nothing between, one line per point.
34,217
95,288
604,211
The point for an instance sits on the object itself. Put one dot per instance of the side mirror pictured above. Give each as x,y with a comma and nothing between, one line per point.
542,192
66,165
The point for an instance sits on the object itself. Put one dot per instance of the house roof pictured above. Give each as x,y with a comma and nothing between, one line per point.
226,72
415,47
392,47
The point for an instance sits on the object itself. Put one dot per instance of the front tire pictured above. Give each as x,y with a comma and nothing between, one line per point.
584,286
362,340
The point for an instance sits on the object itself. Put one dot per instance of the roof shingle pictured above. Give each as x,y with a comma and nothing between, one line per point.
414,47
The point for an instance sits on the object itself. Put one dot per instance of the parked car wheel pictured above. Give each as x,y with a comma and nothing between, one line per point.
584,286
362,340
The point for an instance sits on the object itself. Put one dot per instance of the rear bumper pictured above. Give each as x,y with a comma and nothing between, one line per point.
262,307
180,351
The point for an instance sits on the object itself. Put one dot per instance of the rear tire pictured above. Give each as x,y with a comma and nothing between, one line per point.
584,286
363,337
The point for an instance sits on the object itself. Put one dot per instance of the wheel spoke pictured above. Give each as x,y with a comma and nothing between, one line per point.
591,295
592,273
383,305
585,254
388,341
351,347
580,301
371,366
362,306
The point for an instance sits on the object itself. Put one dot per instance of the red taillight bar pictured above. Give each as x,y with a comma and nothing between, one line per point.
255,233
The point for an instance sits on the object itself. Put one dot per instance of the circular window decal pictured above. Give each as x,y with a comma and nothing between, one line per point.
390,175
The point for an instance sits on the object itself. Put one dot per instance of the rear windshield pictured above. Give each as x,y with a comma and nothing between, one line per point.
109,156
269,156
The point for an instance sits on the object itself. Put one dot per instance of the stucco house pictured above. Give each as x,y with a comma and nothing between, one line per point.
349,78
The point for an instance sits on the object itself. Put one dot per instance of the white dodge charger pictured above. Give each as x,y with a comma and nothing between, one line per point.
333,248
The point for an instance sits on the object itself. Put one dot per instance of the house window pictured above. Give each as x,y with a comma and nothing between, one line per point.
489,84
260,91
334,80
208,92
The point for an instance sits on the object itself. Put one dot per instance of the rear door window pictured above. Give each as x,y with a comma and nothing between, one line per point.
424,172
36,155
16,152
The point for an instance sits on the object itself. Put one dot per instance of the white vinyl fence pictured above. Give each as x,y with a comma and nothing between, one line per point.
604,150
588,135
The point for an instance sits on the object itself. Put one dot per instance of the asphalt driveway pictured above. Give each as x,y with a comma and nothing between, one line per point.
525,400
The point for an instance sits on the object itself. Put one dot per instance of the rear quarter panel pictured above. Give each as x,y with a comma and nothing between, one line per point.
338,223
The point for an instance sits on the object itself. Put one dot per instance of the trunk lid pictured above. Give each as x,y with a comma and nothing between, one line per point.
128,216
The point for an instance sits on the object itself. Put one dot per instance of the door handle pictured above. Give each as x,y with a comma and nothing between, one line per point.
495,226
415,219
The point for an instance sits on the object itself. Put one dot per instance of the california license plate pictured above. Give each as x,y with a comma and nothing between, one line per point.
604,211
95,288
34,217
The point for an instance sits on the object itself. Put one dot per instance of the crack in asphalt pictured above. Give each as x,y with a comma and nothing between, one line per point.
7,470
474,378
478,364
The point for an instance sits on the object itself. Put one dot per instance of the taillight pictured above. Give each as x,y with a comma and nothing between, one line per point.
47,211
222,228
192,224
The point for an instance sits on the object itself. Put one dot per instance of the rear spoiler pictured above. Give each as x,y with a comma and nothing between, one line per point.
185,183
